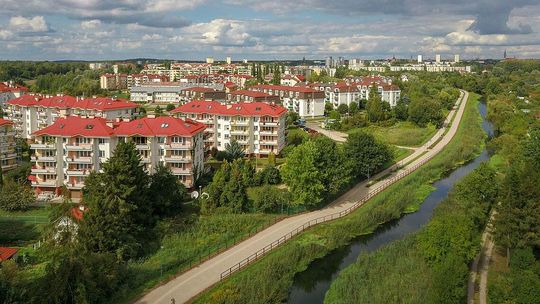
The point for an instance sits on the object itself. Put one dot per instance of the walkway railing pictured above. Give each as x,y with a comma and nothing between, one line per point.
261,252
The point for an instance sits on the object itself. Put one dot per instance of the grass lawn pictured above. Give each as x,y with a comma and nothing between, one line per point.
22,228
400,153
184,244
401,134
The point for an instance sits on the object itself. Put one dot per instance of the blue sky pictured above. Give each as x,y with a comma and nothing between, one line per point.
278,29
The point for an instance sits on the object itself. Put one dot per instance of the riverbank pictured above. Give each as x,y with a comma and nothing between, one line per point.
430,266
269,279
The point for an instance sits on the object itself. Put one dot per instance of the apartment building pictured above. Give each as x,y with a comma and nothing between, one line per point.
292,80
259,127
8,155
251,96
307,102
33,112
9,90
168,92
67,151
113,81
196,93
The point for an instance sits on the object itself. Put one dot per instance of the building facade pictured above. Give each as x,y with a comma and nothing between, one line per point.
307,102
258,127
8,155
66,152
34,112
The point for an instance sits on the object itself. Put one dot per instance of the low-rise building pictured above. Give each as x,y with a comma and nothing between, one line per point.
34,112
8,155
169,92
257,126
67,151
307,102
202,93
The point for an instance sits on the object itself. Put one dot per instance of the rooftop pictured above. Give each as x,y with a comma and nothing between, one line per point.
241,109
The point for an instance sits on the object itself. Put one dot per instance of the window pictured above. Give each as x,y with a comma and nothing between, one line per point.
101,141
161,152
161,140
101,153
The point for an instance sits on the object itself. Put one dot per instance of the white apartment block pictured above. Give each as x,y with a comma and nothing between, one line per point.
32,112
307,102
259,127
8,91
67,151
8,155
173,93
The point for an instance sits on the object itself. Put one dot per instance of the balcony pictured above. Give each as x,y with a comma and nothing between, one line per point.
266,132
239,132
143,146
269,123
80,147
46,146
240,122
179,146
268,142
178,159
181,171
43,158
45,183
75,186
79,160
45,170
11,155
75,172
146,160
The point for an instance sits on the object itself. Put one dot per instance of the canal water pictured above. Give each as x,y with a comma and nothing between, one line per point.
311,285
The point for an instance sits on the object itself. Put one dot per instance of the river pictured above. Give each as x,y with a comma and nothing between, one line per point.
311,285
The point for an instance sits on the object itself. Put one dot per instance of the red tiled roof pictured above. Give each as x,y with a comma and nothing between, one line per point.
199,89
6,253
25,100
241,109
159,126
65,101
78,212
284,88
77,126
5,122
251,93
16,88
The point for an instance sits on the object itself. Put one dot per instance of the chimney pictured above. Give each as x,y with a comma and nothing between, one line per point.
151,115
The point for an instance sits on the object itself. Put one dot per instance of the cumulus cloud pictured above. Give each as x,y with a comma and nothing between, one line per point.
222,32
90,24
22,24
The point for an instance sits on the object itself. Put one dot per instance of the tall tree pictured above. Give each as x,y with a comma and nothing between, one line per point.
366,154
374,105
234,150
119,208
166,192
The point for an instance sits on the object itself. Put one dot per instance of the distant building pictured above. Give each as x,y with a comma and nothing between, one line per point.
172,92
228,60
210,60
307,102
420,59
438,58
9,90
456,58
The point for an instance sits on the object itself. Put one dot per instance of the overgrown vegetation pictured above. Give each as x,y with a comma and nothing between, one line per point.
269,279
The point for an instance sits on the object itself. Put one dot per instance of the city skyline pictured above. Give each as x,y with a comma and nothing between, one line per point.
193,30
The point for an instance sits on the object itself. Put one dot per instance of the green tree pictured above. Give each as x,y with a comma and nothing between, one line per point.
268,175
170,107
268,198
426,111
366,155
374,106
302,176
343,109
276,79
166,192
401,110
158,110
118,217
354,108
234,150
16,197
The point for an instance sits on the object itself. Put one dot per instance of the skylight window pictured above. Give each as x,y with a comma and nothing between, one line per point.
164,125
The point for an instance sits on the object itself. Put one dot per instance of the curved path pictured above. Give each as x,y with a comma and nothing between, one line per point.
189,284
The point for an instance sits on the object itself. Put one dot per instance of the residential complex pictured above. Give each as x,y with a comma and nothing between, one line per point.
68,150
8,155
259,127
127,81
307,102
165,93
9,90
34,112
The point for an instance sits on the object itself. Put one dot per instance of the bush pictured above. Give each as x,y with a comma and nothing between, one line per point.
268,175
270,199
16,197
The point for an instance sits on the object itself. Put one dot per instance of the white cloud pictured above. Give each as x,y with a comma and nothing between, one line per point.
22,24
5,34
90,24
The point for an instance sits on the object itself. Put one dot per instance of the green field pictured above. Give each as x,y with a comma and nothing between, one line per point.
268,280
22,228
401,134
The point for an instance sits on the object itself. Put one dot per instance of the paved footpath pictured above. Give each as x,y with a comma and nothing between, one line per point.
189,284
